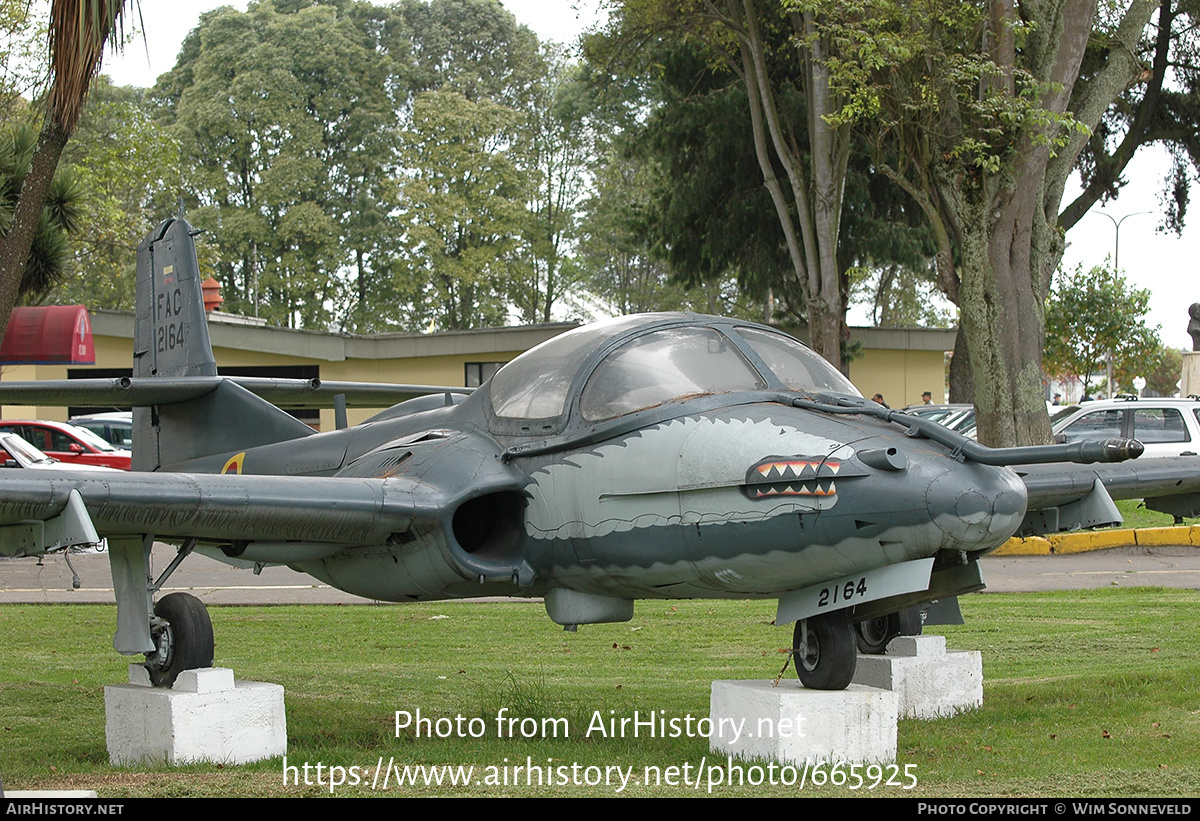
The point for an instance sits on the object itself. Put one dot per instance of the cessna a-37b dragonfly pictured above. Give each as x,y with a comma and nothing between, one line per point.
670,456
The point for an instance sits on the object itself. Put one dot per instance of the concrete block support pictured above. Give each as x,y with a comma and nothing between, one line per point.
929,681
791,724
206,716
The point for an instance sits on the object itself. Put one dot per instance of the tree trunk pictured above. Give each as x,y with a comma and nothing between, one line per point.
1001,311
809,207
15,246
962,387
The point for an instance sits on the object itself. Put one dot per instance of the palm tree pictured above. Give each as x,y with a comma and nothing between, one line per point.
79,30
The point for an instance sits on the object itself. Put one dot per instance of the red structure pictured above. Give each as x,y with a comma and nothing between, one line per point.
49,335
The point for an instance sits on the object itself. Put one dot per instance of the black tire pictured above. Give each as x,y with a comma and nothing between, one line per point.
829,662
909,622
872,636
185,641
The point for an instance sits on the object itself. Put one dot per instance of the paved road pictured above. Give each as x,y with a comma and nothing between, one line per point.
24,580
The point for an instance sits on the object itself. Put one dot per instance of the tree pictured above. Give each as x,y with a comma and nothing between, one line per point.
79,30
462,206
302,157
287,148
23,57
709,216
1163,373
802,160
980,110
131,169
50,253
554,146
1160,108
475,47
1096,317
615,263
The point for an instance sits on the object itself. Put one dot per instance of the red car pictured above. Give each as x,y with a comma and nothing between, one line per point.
69,444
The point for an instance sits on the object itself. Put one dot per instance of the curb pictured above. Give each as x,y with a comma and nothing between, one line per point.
1084,541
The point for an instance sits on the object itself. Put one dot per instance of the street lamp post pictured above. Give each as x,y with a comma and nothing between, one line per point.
1116,269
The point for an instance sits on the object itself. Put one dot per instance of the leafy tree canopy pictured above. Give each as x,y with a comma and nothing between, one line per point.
1093,315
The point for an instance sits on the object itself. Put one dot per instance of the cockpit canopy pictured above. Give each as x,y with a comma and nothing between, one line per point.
632,363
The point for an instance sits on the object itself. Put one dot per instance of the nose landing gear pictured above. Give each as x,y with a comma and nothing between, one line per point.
824,650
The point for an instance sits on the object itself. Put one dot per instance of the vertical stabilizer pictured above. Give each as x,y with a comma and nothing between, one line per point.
171,335
171,340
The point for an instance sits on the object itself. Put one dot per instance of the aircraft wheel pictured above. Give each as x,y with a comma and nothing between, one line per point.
828,662
909,622
185,640
873,635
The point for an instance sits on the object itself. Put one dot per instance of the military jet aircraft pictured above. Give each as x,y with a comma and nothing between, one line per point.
667,456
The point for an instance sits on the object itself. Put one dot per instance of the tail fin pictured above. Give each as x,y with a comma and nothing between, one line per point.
171,340
171,335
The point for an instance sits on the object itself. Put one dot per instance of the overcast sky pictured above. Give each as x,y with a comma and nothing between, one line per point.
1150,259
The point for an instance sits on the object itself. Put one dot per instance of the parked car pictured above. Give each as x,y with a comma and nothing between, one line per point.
114,427
956,417
1167,427
69,444
15,452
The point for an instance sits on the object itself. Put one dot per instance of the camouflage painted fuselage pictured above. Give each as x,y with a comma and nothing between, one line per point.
745,500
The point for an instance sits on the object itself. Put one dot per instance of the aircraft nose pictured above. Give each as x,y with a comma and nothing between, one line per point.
977,505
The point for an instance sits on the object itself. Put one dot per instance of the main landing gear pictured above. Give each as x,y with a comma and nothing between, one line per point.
175,634
874,634
183,638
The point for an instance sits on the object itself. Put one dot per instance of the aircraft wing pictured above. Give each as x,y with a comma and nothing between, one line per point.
280,514
1065,496
285,393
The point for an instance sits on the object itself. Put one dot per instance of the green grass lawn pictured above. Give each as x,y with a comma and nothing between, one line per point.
1136,515
1089,693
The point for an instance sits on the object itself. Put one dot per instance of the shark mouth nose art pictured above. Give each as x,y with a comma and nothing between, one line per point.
797,476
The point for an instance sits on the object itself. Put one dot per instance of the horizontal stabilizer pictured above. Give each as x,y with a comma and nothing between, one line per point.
144,392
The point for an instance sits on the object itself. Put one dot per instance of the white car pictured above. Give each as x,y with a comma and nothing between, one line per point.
17,454
1167,427
114,427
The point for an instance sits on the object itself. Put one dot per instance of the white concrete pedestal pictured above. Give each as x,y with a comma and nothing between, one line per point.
789,723
930,681
206,716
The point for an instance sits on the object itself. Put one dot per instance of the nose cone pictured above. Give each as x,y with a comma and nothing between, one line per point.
977,506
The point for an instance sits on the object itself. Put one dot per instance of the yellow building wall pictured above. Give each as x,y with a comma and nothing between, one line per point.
900,376
31,373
